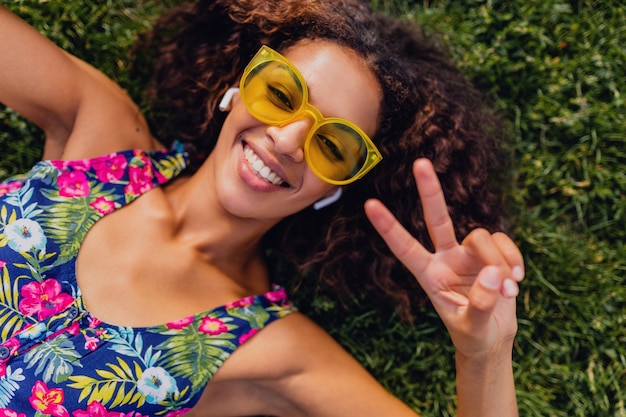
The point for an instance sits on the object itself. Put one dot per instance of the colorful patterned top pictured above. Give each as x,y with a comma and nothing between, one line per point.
56,359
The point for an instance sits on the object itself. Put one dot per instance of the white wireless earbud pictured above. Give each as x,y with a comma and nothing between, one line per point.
320,204
228,96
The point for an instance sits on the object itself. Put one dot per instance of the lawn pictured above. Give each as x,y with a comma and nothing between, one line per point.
555,69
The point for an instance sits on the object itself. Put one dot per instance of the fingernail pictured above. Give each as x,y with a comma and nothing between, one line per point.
491,279
518,273
510,288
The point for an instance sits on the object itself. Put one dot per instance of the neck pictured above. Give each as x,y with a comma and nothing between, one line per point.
226,241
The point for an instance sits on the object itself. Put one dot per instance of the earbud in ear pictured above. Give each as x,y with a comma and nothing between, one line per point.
228,96
324,202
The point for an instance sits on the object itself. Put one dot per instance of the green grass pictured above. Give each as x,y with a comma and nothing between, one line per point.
556,71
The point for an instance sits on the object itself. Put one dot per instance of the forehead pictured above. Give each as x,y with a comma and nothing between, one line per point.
339,81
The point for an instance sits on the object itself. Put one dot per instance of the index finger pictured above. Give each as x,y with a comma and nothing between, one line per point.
401,243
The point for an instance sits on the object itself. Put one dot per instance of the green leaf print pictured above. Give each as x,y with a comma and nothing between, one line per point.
188,348
9,384
169,166
5,218
20,199
54,359
36,265
69,222
256,315
115,386
129,343
11,319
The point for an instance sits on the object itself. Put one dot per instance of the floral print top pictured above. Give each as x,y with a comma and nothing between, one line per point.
56,359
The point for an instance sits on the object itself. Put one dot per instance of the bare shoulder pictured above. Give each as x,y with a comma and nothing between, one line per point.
294,368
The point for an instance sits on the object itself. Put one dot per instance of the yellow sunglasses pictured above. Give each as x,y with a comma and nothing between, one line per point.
274,92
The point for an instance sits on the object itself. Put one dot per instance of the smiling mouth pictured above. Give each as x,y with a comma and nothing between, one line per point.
261,169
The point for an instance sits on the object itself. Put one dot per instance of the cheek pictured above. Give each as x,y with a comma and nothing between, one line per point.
237,121
315,187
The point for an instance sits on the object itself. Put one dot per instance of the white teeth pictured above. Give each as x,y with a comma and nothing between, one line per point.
260,168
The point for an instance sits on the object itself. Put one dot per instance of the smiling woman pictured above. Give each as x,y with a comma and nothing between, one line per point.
134,264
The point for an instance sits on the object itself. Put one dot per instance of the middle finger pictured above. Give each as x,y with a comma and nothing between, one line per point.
436,216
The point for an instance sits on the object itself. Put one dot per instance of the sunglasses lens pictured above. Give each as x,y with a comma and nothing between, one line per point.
272,92
336,151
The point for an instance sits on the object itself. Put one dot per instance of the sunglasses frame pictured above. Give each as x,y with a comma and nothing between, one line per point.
267,54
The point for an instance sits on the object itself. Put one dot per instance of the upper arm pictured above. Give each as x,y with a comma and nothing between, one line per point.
74,104
300,371
37,79
328,381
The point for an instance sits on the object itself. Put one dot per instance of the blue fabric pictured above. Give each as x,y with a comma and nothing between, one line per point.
56,358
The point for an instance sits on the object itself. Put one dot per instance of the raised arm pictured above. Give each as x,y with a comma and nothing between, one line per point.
472,285
81,111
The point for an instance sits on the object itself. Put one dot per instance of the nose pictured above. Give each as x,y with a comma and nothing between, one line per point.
289,139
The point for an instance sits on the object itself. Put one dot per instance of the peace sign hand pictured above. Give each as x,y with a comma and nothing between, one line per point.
472,285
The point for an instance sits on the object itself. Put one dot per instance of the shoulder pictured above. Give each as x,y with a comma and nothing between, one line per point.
293,367
283,348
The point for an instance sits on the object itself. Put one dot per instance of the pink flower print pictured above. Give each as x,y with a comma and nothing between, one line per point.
44,298
94,409
48,401
140,177
73,329
2,264
275,296
77,165
176,413
94,322
12,344
73,184
103,205
9,187
59,164
180,324
110,167
242,303
160,177
212,326
244,337
91,343
7,412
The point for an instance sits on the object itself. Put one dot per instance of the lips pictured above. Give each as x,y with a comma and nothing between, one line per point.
262,170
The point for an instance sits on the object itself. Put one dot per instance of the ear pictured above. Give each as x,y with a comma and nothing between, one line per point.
226,100
327,201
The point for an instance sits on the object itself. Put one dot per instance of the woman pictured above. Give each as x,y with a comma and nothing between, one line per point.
134,272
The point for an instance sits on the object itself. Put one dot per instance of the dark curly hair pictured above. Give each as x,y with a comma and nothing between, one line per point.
428,109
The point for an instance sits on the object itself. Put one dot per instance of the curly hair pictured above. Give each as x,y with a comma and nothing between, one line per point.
428,109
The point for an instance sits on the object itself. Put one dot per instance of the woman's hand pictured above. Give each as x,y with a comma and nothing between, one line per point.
472,285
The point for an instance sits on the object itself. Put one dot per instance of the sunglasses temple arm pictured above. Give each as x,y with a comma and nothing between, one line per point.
324,202
228,96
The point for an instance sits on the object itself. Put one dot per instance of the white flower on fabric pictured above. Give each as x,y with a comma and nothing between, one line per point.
24,235
156,383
